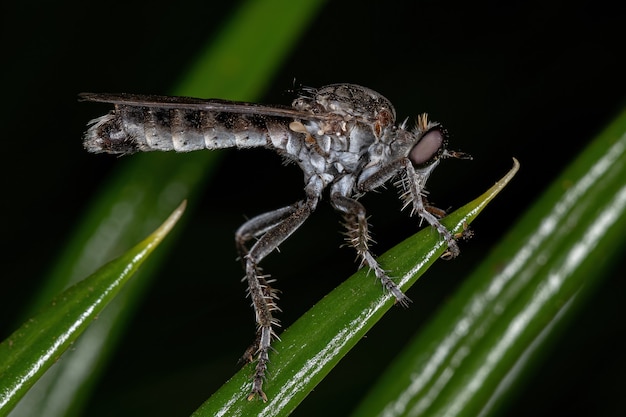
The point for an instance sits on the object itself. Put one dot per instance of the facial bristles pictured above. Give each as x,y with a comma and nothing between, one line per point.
422,122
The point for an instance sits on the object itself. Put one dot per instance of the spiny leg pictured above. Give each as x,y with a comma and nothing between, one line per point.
357,235
426,213
465,234
258,225
412,182
272,229
252,229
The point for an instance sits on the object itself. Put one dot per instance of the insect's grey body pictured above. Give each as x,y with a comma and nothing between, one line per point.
342,136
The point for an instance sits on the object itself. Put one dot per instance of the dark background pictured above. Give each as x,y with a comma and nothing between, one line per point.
534,80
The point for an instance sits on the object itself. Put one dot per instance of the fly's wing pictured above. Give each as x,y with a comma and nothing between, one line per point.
198,104
183,124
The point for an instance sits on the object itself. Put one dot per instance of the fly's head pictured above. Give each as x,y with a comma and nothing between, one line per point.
417,153
423,146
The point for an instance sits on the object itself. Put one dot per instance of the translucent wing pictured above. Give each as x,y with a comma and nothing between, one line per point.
210,105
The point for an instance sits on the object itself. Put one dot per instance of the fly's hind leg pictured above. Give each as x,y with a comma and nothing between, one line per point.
252,229
271,229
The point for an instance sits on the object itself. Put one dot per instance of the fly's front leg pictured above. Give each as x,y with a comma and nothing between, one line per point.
453,247
414,184
271,229
357,235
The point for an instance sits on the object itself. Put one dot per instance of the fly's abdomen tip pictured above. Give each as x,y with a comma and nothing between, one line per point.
106,135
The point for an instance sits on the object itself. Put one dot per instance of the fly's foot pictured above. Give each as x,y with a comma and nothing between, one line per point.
257,392
402,299
259,371
453,247
393,288
452,252
465,234
257,383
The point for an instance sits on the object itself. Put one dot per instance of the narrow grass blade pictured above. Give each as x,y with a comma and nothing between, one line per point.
313,345
479,347
38,343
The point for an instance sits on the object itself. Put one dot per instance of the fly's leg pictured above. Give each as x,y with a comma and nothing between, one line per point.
453,248
426,212
357,236
435,211
252,229
465,234
271,229
413,185
258,225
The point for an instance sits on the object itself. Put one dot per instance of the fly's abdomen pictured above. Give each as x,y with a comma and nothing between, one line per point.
129,129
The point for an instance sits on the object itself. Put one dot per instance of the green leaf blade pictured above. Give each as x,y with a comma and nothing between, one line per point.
37,345
486,339
314,344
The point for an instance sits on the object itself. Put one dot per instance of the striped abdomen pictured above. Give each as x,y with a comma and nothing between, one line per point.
129,129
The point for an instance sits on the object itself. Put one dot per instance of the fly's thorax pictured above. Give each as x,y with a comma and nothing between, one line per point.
351,103
379,155
335,135
356,101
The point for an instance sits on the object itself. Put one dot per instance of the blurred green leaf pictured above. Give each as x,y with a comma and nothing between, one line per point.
313,345
34,347
472,355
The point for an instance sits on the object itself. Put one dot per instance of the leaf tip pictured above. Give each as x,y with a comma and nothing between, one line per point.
170,222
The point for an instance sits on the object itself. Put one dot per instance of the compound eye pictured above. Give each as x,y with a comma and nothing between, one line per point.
428,148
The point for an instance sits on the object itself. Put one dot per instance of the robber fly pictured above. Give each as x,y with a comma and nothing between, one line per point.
343,137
